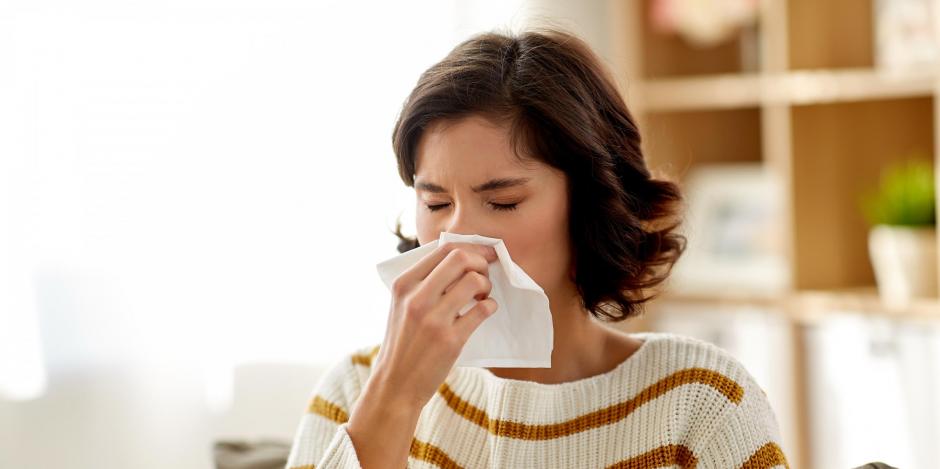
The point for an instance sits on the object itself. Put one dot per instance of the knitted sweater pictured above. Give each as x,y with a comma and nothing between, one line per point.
675,402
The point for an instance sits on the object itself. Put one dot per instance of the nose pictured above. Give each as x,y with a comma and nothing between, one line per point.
462,221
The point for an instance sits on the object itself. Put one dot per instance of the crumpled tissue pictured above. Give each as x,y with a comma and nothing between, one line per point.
520,333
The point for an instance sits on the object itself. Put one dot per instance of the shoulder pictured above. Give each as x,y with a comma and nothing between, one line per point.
710,364
713,382
686,344
684,352
736,418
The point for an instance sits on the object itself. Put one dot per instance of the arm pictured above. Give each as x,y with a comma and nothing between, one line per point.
382,427
350,426
423,338
746,435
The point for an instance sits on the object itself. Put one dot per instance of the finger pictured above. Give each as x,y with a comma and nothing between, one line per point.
452,270
421,269
473,285
466,324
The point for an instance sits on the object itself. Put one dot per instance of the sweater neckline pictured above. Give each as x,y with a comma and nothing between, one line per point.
647,338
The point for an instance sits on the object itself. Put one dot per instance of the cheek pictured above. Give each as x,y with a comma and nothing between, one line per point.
538,262
544,250
542,253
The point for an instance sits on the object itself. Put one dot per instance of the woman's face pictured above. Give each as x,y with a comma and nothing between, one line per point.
468,181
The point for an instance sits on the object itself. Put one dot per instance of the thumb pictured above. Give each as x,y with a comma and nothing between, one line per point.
475,316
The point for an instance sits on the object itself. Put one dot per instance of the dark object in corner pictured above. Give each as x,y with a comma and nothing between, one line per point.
251,455
875,465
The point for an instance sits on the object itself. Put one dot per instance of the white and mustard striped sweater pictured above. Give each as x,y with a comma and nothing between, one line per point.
675,402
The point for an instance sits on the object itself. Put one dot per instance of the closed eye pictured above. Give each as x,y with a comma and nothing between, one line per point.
505,207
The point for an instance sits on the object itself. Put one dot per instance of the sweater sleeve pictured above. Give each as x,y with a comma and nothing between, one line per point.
745,435
321,440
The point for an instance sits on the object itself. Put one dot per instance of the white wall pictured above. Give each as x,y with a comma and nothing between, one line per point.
187,188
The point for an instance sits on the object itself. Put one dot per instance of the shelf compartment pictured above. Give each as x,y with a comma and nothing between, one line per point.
670,55
830,34
839,151
674,141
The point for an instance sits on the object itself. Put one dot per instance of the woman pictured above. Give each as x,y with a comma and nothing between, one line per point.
525,138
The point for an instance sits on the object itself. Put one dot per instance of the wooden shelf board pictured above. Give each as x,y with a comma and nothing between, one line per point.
794,88
813,305
727,297
810,306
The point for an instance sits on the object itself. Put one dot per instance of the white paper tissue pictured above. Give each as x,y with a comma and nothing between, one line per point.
520,333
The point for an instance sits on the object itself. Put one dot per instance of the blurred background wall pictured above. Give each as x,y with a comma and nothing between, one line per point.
194,195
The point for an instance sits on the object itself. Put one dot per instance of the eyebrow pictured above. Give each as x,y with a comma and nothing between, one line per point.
491,185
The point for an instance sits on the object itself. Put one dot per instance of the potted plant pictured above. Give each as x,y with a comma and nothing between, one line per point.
902,241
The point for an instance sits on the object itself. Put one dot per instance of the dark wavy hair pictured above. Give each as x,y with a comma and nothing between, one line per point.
563,108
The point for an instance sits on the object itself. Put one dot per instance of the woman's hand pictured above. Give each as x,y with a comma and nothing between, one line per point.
424,335
423,338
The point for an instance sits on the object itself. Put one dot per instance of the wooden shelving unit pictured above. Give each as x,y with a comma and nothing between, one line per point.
799,93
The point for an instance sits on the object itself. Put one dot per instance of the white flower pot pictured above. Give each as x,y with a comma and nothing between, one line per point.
905,262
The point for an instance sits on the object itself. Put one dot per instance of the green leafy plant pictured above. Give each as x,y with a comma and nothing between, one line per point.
906,195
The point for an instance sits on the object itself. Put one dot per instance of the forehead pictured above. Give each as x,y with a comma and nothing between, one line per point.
471,147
